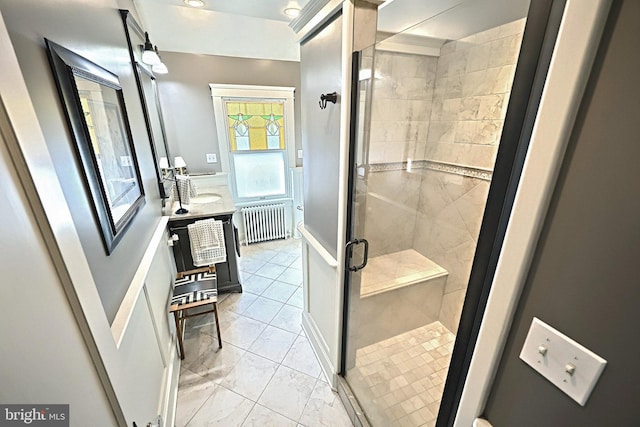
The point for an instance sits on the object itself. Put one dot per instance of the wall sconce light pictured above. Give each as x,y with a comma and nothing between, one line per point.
149,55
159,68
180,165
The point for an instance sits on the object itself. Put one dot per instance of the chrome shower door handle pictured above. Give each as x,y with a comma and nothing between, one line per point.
365,255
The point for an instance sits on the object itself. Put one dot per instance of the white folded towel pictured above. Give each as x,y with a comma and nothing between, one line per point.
207,242
186,187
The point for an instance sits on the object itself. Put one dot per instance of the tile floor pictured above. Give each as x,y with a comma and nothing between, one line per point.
401,379
266,374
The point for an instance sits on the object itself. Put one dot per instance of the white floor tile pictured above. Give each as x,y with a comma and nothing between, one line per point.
256,284
271,271
264,417
297,299
263,309
273,343
324,409
288,318
237,302
242,331
297,263
291,276
203,357
302,358
283,259
279,291
251,265
253,252
250,376
223,408
287,392
273,364
191,396
294,248
226,318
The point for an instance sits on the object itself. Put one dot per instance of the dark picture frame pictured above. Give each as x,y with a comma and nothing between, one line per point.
96,114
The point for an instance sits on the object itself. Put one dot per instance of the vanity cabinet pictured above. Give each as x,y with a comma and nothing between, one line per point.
226,272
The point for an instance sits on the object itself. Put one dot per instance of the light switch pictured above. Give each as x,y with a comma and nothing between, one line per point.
299,154
212,158
569,366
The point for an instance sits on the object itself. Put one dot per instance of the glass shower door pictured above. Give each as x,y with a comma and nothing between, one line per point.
430,108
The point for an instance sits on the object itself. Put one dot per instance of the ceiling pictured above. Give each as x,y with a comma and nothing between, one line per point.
449,19
260,29
244,28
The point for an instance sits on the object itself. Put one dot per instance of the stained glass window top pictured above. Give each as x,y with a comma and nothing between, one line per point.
255,125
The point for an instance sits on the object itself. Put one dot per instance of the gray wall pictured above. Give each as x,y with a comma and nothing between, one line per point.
188,108
585,279
94,30
321,73
44,357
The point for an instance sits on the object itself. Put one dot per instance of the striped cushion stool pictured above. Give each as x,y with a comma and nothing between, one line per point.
193,291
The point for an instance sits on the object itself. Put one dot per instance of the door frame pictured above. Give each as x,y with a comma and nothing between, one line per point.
543,25
572,58
540,35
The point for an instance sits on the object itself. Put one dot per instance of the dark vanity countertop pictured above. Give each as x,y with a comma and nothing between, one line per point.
223,206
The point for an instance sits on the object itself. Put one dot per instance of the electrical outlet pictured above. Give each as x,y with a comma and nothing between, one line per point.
299,154
212,158
568,365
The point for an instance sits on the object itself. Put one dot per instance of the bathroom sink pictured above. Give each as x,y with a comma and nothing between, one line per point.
206,198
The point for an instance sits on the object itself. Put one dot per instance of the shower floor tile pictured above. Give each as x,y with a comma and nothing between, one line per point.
399,381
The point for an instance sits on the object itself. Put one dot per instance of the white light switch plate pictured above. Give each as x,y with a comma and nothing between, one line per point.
212,158
552,354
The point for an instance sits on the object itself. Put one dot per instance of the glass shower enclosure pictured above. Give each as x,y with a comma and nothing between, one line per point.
432,95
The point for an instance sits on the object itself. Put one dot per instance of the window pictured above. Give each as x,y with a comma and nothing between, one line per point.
255,136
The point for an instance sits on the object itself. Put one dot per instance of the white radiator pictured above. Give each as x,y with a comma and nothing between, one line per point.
264,222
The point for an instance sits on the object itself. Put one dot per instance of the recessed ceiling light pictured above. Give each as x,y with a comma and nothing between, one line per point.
194,3
292,11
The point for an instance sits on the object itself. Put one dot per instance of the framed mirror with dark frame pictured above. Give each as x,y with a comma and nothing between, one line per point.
150,100
95,110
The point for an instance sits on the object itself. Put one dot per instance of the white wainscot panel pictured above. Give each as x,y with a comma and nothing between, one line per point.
321,310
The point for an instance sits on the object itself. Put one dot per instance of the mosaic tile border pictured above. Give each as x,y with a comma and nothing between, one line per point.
483,174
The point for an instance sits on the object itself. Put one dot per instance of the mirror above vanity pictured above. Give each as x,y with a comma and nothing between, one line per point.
148,90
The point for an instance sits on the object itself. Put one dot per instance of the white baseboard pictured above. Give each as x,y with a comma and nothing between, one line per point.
320,348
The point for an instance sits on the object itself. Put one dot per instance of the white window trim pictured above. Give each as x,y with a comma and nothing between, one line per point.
220,92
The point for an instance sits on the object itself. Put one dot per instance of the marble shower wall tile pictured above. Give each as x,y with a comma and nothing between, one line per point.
391,204
449,109
450,211
403,94
471,93
452,309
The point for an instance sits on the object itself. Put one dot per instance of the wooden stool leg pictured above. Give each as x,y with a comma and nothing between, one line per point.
215,314
179,332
